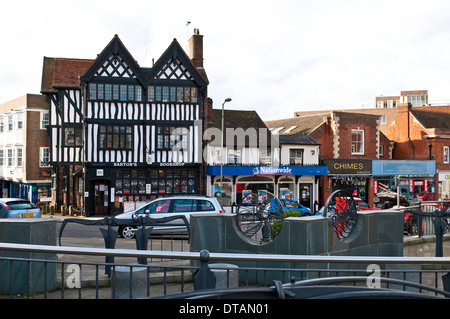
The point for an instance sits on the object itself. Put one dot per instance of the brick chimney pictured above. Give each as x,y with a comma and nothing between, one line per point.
196,49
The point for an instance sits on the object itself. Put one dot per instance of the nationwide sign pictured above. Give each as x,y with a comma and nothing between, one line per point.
244,170
272,170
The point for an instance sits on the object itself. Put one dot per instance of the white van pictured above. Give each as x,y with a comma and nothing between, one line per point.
170,207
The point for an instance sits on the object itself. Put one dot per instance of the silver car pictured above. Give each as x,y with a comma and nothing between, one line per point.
169,207
18,208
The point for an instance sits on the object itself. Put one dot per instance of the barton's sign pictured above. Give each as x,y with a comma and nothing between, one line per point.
349,167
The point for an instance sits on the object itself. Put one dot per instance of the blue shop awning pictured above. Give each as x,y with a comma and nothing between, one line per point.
403,167
238,170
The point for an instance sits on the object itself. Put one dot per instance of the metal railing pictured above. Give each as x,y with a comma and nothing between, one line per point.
371,276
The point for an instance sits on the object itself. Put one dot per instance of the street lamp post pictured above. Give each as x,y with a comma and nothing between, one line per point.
221,150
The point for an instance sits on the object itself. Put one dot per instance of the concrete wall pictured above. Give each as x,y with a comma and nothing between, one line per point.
35,231
378,233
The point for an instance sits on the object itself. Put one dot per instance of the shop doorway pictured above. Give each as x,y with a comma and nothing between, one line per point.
305,195
101,198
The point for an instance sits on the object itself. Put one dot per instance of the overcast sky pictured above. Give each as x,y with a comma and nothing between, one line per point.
275,57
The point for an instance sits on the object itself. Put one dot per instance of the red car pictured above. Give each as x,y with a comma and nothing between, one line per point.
425,196
363,205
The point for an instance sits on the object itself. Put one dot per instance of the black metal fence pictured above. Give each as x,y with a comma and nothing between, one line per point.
191,274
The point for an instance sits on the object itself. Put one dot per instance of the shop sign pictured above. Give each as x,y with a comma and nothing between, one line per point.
45,173
349,167
125,164
272,170
392,167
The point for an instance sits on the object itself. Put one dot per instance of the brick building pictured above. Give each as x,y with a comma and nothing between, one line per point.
420,135
348,144
24,148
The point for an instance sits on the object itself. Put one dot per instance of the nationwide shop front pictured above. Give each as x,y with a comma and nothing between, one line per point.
300,183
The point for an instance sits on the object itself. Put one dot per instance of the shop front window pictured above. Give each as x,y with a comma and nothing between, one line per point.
172,181
254,192
286,190
223,193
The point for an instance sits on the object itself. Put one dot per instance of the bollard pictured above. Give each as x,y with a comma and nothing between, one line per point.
129,282
227,275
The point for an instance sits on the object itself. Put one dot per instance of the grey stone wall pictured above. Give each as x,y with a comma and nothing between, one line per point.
36,231
377,233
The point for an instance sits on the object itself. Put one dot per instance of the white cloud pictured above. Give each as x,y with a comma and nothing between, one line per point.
274,57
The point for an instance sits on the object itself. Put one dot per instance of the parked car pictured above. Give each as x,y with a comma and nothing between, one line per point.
425,197
18,208
291,207
218,193
169,207
360,205
389,200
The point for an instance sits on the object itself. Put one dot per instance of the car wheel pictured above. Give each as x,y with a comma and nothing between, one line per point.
127,232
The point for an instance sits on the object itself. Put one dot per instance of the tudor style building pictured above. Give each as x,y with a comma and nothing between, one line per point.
121,133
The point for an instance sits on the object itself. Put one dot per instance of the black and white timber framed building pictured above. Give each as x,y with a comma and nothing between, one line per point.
112,123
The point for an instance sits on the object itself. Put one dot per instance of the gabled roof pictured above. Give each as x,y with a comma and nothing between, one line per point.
62,73
235,119
431,120
296,125
175,52
67,72
297,139
114,48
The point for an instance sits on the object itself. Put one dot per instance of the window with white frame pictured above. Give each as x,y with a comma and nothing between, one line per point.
10,123
446,155
45,120
357,142
234,156
296,156
10,157
2,162
44,156
265,156
19,121
19,159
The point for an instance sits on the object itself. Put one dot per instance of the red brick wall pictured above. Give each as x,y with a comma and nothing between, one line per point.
35,138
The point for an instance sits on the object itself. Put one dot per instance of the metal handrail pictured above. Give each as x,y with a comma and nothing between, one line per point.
221,256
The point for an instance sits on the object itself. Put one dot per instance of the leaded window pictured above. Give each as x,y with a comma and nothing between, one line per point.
116,92
172,138
73,136
178,94
115,137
